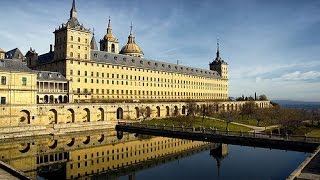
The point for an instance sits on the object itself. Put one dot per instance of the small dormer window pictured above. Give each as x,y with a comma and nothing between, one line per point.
162,65
169,66
176,67
156,64
149,63
39,74
50,75
124,59
187,69
141,62
105,56
181,68
95,55
115,58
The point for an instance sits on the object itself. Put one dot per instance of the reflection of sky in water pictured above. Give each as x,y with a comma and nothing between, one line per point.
240,163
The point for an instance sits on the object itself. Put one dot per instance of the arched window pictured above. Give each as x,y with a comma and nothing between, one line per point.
113,49
78,39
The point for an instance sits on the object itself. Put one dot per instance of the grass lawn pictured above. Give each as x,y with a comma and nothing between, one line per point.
207,123
248,120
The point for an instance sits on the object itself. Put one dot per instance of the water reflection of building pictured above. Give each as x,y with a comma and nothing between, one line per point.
83,156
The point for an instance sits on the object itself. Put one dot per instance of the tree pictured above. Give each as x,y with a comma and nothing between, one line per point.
263,97
248,109
229,116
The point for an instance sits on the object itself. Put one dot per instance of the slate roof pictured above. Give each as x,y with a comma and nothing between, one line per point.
13,65
14,54
50,76
45,58
111,58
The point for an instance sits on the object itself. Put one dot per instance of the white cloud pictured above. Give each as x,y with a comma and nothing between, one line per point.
298,76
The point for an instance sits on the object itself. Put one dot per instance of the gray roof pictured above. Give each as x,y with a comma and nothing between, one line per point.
50,76
119,59
14,54
13,65
45,58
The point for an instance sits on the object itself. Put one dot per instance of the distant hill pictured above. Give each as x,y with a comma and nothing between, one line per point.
298,104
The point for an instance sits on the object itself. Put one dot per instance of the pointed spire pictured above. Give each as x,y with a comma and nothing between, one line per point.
73,11
93,43
109,30
218,50
131,37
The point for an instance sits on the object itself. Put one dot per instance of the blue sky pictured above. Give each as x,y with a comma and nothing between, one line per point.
272,47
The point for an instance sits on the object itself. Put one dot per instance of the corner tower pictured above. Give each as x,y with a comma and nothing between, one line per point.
72,39
109,43
219,65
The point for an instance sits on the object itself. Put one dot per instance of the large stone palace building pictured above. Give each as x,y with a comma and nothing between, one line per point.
105,75
75,84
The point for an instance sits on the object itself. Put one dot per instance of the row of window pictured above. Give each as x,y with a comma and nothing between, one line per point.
138,69
137,92
4,80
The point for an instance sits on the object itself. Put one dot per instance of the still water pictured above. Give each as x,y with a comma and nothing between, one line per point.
102,156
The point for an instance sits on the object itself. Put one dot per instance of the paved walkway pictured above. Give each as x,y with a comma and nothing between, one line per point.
255,128
6,176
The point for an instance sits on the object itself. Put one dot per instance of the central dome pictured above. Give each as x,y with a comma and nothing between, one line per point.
131,48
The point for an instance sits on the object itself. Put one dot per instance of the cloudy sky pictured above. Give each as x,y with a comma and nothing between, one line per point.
272,47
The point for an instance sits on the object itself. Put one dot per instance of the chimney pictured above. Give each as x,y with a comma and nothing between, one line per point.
50,47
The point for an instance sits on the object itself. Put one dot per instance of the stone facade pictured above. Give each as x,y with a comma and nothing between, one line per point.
48,114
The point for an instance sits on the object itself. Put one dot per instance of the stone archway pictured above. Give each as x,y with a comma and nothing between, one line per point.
119,113
86,117
137,112
60,99
51,100
46,99
183,110
167,111
53,116
24,117
71,115
176,111
148,111
158,111
65,99
101,114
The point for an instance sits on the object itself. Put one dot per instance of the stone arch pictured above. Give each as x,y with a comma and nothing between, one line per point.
25,147
101,114
183,110
24,117
232,107
148,111
53,144
51,100
86,117
223,107
137,112
228,107
101,138
87,140
53,116
168,111
71,143
158,111
71,115
65,99
60,99
119,113
46,99
38,99
176,111
236,107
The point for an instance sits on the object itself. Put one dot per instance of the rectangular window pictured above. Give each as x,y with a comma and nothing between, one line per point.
3,100
3,80
24,81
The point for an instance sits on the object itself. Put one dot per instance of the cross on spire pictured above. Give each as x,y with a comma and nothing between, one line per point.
131,28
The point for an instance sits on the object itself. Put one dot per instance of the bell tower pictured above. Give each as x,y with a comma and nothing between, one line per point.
109,43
